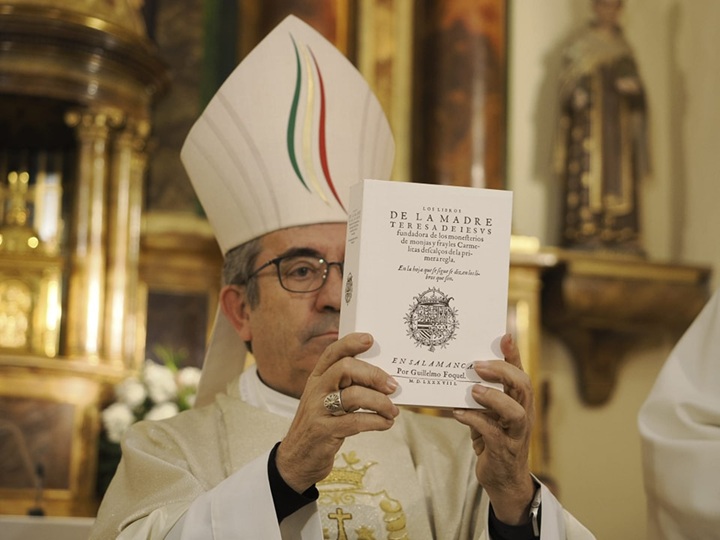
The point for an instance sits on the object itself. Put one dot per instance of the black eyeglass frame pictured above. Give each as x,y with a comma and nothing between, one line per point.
277,260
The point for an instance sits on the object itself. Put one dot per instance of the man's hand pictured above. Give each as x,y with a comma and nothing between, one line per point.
306,454
501,434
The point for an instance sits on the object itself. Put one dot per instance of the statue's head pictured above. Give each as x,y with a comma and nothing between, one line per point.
607,12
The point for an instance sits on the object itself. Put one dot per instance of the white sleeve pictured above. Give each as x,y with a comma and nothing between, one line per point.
679,425
556,522
239,507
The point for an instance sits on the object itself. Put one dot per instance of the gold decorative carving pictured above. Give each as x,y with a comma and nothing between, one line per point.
82,67
123,13
15,314
30,292
599,304
16,233
80,58
385,59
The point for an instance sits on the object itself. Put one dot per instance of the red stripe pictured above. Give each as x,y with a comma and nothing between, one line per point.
321,136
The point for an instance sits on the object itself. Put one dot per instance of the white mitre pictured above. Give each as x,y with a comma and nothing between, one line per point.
279,145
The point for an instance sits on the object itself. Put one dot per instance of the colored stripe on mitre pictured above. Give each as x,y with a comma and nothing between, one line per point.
314,97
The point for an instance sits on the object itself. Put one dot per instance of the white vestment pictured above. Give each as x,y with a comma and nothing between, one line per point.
680,430
207,470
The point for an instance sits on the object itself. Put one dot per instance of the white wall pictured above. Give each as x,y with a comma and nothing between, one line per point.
595,451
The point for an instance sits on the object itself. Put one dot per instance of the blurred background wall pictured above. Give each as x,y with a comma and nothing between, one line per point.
596,451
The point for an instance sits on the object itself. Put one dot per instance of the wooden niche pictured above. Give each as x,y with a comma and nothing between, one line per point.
599,304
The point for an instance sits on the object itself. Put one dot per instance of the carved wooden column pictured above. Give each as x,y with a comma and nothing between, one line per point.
124,209
86,292
527,265
106,243
134,315
600,303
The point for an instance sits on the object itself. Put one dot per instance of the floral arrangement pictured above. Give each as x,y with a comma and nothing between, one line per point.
158,392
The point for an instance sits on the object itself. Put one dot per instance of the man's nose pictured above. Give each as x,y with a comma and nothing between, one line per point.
329,296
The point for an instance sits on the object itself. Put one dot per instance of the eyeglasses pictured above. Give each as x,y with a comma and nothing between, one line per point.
300,273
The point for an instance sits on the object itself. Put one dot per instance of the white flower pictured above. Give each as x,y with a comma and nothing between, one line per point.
162,411
189,377
131,392
160,382
116,419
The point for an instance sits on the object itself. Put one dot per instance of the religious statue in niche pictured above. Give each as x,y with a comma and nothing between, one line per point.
602,147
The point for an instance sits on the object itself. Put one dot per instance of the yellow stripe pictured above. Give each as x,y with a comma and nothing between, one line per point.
307,127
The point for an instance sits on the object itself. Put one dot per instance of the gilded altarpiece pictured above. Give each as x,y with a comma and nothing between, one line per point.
77,80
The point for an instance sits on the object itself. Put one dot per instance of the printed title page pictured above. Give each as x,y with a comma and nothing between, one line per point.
426,273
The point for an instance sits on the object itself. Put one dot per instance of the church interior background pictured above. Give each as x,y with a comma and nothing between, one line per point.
106,259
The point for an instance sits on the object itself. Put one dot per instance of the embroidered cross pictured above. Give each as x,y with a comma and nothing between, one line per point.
340,517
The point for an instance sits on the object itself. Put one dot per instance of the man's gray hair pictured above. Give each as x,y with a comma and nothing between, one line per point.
238,267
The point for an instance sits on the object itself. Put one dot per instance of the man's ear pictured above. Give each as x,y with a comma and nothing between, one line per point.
235,307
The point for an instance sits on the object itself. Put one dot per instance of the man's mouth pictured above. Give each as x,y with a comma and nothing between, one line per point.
325,336
327,329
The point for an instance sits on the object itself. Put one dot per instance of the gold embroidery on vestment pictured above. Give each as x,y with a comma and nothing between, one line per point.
353,512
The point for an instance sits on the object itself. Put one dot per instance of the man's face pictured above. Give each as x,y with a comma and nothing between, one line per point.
290,330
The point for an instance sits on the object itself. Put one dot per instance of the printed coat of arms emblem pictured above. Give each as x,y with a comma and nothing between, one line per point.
349,289
431,321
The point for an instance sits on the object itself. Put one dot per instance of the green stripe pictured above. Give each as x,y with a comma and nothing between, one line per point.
293,118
